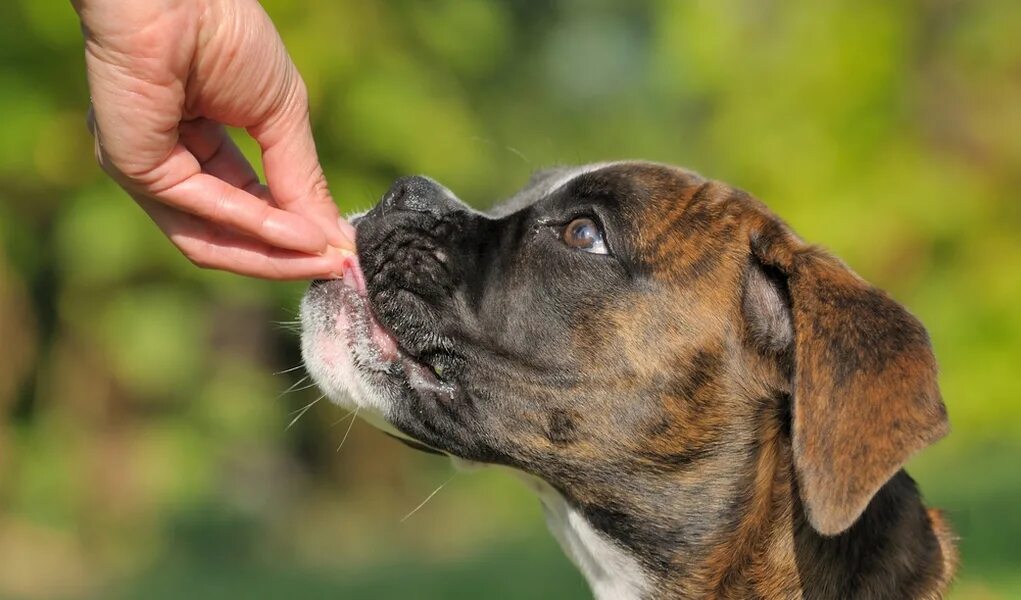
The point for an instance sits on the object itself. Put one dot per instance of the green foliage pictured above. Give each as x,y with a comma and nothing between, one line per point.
143,450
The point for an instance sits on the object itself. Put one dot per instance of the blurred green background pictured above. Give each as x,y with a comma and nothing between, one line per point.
143,450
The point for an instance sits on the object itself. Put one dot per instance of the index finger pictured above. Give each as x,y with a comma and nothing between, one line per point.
217,201
292,168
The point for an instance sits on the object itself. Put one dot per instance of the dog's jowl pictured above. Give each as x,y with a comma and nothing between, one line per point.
708,406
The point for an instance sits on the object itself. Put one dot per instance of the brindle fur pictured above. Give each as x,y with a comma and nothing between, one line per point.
729,404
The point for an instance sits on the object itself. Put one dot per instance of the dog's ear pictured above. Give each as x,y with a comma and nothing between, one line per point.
865,396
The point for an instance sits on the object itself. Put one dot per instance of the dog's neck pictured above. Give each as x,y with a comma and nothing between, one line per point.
658,544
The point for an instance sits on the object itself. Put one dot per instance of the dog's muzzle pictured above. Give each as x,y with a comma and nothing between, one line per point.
376,336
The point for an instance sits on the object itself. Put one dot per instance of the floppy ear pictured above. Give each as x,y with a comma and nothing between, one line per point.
865,396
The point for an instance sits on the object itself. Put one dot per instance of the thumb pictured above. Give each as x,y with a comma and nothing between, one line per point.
293,173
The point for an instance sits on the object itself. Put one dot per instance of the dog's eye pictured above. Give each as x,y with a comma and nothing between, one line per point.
585,234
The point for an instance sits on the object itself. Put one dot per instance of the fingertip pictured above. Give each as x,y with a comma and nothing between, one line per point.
335,260
349,233
338,234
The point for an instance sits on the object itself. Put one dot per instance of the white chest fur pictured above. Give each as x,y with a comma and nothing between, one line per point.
611,572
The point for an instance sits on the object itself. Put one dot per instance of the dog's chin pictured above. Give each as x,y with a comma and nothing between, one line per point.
353,359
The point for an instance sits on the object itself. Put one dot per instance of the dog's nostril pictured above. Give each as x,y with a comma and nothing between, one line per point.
394,195
416,194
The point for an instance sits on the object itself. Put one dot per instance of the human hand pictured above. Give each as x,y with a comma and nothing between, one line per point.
165,77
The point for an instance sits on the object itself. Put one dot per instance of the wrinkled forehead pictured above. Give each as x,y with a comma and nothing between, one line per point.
638,185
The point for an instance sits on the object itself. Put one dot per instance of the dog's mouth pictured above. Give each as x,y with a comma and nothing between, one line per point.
355,304
381,349
374,350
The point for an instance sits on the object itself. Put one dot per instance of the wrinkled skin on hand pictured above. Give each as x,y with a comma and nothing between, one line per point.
166,76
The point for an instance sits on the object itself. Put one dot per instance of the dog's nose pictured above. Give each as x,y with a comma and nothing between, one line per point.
419,194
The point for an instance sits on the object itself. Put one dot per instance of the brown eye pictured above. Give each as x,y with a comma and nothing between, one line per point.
584,234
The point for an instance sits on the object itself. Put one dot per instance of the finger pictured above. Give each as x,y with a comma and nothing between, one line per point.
215,200
205,195
217,153
212,247
292,167
219,156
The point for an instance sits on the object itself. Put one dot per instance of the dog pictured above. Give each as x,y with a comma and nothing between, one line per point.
707,406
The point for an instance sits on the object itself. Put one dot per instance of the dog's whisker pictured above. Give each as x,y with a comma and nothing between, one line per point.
512,150
519,154
303,408
346,416
302,411
428,498
292,324
354,418
294,386
292,369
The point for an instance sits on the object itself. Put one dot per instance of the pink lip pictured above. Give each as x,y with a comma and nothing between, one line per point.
355,279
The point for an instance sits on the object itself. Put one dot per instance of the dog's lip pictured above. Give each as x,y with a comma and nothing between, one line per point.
420,375
353,278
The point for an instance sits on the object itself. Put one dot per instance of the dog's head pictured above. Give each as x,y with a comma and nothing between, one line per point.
620,319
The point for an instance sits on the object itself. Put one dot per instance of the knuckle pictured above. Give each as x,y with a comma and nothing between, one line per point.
300,92
295,101
262,220
217,210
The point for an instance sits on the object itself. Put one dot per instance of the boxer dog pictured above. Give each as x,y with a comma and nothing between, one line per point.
708,406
